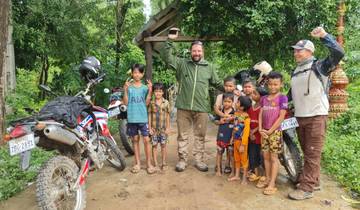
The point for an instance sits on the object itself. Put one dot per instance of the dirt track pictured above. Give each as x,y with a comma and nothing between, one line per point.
109,189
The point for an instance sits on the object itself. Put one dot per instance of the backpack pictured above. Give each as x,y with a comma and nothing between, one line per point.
326,84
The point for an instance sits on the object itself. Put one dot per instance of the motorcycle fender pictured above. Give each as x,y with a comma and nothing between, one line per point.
25,160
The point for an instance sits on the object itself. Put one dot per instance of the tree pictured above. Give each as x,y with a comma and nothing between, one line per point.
4,20
50,33
258,29
122,7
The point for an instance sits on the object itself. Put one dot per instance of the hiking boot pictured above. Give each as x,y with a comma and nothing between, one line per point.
300,195
201,166
316,188
180,166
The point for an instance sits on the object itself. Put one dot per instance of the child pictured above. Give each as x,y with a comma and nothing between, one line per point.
137,96
248,87
240,138
159,123
272,113
225,129
229,87
255,137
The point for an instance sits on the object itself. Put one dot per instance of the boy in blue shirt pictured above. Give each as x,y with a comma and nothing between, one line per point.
137,96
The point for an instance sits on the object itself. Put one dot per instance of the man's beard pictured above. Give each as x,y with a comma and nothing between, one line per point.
196,58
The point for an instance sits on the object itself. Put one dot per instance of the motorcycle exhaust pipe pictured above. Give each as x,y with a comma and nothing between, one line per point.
61,135
123,108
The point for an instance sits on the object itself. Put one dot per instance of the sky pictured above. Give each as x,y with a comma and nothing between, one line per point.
147,9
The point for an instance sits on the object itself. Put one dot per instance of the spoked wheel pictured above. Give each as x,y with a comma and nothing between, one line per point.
113,153
291,157
54,187
125,139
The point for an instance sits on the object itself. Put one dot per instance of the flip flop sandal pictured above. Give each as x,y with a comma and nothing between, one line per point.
270,191
261,184
227,170
151,170
135,169
253,178
262,178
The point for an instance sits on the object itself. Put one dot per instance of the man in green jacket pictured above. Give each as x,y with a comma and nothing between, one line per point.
194,76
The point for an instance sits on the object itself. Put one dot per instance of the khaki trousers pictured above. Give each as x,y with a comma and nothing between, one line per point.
188,121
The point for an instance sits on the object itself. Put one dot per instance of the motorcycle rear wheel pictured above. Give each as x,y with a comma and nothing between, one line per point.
125,139
115,156
290,157
54,183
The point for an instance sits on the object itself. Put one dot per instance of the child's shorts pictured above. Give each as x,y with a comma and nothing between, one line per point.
158,139
273,143
133,129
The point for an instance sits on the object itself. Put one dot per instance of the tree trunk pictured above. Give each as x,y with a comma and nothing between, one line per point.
4,21
44,74
121,9
9,65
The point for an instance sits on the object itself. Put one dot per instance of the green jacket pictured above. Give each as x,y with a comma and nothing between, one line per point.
194,79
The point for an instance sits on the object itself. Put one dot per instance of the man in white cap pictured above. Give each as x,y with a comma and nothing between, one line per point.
309,83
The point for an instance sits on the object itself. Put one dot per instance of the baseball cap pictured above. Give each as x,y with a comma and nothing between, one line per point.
304,44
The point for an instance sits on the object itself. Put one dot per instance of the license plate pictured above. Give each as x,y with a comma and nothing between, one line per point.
22,144
113,112
289,123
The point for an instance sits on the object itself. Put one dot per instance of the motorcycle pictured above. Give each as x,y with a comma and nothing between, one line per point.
78,131
117,109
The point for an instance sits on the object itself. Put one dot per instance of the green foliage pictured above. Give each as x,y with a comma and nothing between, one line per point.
12,178
25,96
341,156
352,42
258,29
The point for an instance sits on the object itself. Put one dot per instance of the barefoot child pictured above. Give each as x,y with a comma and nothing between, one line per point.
272,113
229,87
240,138
225,129
159,123
137,96
255,137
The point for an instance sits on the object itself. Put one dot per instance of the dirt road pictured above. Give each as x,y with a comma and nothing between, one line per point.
109,189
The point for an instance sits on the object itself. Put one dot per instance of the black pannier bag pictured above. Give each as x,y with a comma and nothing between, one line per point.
65,109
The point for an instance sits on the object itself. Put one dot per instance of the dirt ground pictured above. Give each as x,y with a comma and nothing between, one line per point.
110,189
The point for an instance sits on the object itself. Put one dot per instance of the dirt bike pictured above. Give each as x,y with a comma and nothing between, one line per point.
82,140
117,109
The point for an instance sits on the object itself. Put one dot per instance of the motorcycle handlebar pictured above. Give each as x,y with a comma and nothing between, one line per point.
97,80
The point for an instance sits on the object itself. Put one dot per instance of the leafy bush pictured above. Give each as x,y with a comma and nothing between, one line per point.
25,98
12,178
341,155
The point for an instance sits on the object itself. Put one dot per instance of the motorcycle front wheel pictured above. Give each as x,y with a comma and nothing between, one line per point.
54,185
291,157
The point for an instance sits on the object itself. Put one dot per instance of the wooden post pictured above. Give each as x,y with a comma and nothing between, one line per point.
148,56
337,94
4,21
